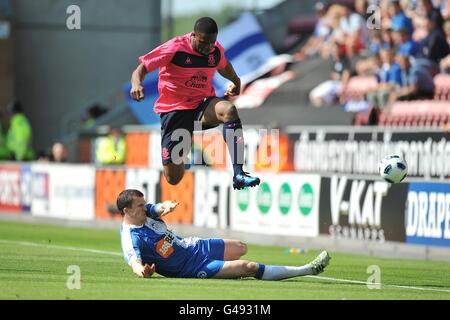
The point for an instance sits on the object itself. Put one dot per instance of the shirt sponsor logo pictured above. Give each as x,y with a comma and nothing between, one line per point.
198,80
164,247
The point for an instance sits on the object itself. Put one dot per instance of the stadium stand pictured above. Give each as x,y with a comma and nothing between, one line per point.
357,88
442,87
420,113
429,113
291,98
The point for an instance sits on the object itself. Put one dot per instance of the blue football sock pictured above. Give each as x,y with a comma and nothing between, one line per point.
234,138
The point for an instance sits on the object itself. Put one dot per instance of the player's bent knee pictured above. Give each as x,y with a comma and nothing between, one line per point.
173,179
230,112
243,248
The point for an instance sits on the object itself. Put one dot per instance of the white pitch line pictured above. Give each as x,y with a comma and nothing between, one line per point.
51,246
380,284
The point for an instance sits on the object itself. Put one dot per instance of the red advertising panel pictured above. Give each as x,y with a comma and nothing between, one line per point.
10,191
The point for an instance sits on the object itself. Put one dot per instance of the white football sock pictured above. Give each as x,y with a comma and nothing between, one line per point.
285,272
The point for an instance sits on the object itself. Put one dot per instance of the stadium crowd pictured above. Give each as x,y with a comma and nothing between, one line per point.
382,52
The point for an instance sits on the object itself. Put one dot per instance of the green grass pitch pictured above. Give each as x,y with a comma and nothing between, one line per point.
34,262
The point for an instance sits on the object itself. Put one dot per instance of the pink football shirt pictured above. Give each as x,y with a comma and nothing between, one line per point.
185,76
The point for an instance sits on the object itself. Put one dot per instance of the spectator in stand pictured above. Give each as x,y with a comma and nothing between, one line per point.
333,20
59,152
43,156
376,42
406,45
399,19
321,33
416,81
435,46
445,65
111,149
429,11
447,31
378,39
383,6
441,7
444,5
94,112
19,135
361,7
388,77
354,31
328,92
386,36
5,154
445,62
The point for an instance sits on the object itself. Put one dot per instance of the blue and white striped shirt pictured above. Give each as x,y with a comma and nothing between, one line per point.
153,242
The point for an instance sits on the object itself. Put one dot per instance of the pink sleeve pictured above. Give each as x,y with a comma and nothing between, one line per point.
158,57
223,59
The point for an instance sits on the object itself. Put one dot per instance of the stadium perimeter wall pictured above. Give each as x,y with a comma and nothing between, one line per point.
346,209
61,71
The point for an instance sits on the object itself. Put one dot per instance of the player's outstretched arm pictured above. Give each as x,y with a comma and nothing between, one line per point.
228,73
167,207
142,271
137,90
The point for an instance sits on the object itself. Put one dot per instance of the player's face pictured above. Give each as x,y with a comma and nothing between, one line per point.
203,43
137,210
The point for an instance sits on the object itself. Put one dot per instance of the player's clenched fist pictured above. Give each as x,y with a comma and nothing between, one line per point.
137,92
234,89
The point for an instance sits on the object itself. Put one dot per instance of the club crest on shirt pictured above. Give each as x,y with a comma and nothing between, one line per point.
165,154
202,274
211,60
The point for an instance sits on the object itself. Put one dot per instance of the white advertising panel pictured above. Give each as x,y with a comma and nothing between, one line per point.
144,180
283,204
63,191
10,195
155,150
212,189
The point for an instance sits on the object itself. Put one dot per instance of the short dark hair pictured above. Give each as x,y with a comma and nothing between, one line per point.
15,107
206,25
125,199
